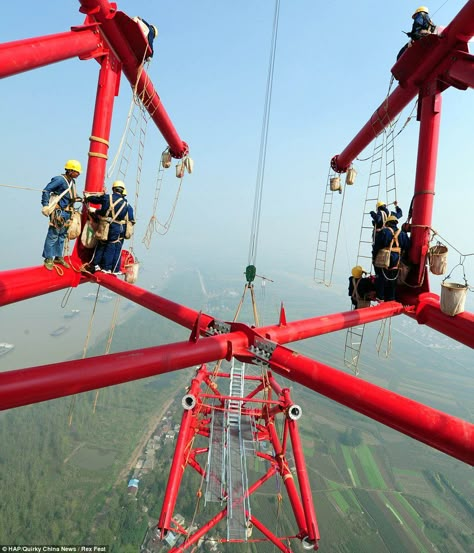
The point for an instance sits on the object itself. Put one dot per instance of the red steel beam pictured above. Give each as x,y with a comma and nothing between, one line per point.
444,432
269,535
460,327
179,462
384,115
23,55
460,30
302,473
104,13
36,384
107,89
21,284
287,479
425,179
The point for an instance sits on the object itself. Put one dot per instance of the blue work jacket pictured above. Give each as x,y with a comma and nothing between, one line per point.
383,239
57,186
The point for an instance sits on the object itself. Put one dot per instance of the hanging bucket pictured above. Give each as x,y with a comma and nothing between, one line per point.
453,298
180,170
438,256
131,272
351,176
166,159
335,184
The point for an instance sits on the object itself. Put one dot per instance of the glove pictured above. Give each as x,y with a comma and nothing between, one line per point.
45,211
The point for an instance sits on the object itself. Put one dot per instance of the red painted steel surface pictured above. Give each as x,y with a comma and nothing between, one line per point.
425,179
29,282
105,13
197,416
24,55
435,428
427,69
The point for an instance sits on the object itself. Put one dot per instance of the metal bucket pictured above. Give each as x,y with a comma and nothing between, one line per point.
438,259
453,298
335,184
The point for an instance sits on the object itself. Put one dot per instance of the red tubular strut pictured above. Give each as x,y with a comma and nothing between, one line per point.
105,13
302,473
180,458
449,434
24,55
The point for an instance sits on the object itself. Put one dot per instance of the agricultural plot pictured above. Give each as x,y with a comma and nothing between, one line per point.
385,523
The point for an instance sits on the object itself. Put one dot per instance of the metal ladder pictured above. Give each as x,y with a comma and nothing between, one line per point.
238,504
384,149
322,245
215,473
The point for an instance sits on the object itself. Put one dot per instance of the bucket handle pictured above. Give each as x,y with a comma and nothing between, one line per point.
460,264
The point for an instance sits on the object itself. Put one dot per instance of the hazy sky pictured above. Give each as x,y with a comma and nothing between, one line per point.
332,71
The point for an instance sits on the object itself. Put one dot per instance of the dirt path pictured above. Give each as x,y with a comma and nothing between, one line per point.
152,424
74,451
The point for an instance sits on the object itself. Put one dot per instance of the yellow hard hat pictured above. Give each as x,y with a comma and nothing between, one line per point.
380,204
155,30
120,184
73,165
421,9
391,219
357,271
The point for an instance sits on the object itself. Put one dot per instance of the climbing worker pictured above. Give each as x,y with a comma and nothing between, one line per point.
422,24
58,199
394,243
113,214
150,32
361,289
380,215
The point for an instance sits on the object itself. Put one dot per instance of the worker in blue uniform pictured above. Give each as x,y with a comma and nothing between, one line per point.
361,288
382,213
386,278
61,189
116,208
422,24
150,32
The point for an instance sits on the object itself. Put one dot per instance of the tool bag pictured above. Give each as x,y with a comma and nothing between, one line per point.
88,239
128,228
382,259
74,225
102,231
55,198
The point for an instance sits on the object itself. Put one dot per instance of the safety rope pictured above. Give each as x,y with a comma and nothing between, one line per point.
381,336
328,284
154,224
21,187
84,350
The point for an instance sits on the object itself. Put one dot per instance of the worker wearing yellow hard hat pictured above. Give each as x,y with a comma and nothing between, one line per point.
379,216
57,200
422,24
361,289
390,245
115,220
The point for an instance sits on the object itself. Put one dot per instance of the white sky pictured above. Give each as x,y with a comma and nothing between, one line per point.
210,68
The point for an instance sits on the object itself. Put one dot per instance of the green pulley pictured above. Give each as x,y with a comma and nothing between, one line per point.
250,273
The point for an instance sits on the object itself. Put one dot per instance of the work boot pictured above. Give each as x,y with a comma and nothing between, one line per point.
48,263
61,261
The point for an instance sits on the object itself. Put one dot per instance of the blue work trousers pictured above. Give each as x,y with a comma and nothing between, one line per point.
54,242
107,255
